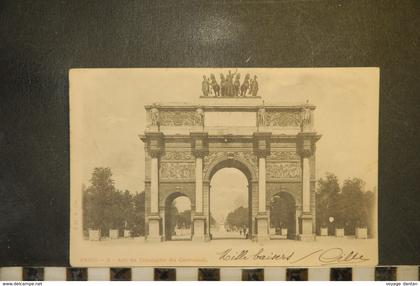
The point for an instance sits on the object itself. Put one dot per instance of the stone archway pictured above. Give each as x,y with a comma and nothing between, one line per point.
283,215
169,219
273,147
228,161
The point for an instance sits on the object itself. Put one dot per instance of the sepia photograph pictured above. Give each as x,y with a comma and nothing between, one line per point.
224,167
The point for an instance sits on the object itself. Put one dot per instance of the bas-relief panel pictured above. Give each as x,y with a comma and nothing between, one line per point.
283,155
282,118
177,155
179,118
283,170
177,170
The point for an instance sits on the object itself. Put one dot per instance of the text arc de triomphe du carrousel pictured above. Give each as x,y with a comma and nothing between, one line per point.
276,153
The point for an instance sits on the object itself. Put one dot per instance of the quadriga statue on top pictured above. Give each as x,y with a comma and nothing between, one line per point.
230,85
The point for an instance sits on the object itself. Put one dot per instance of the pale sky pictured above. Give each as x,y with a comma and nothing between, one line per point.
107,115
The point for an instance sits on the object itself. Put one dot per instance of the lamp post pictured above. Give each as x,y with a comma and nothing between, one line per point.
331,220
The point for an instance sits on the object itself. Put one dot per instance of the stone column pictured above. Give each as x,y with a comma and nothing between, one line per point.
154,185
154,146
306,149
298,214
261,185
162,217
199,149
199,219
199,184
306,186
262,149
206,209
154,217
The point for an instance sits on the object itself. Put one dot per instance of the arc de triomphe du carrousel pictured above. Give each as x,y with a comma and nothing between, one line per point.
272,144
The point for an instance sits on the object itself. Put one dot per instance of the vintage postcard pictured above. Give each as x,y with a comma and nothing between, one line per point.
224,167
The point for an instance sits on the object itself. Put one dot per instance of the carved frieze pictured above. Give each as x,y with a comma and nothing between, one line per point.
283,170
282,118
177,170
242,155
283,156
177,155
179,118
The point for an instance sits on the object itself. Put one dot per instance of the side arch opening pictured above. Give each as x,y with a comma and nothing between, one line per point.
178,217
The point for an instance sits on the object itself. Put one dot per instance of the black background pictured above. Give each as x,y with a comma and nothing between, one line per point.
41,40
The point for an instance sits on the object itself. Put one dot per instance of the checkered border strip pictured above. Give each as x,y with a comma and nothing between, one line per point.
388,273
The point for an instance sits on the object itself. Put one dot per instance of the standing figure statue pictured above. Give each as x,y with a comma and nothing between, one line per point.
223,85
205,86
237,85
261,117
229,83
306,117
215,86
154,115
254,86
245,85
200,116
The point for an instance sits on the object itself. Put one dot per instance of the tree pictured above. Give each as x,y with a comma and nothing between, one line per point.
97,200
212,220
105,207
171,219
327,204
356,204
282,211
238,218
183,219
138,216
351,206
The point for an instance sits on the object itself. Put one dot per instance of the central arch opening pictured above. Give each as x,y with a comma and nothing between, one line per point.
230,209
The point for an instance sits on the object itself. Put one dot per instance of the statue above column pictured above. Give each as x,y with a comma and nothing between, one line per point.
306,118
229,85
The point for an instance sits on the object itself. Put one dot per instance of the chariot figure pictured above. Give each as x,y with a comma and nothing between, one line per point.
237,85
245,85
254,86
215,86
205,86
229,83
223,85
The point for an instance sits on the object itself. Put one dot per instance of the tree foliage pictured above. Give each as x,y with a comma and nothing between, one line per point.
183,219
105,207
282,212
351,205
238,218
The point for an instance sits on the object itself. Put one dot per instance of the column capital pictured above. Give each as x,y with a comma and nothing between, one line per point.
154,143
199,144
261,142
306,143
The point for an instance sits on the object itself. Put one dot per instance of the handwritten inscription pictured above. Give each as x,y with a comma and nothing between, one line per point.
324,256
